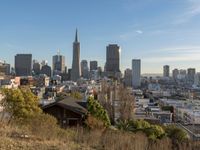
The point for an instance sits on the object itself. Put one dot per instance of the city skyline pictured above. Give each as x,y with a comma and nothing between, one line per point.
157,35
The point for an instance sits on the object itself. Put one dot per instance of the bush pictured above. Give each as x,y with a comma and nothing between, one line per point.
155,132
175,133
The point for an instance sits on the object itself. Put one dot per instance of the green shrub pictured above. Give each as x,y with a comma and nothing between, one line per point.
175,133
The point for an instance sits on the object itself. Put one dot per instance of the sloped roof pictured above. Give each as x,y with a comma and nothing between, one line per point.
70,103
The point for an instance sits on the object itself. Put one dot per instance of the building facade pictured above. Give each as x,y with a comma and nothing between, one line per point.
112,60
58,65
128,78
93,65
23,64
46,70
166,71
84,69
36,67
76,70
136,73
4,68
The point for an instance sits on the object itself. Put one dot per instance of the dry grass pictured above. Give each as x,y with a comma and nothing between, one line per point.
17,138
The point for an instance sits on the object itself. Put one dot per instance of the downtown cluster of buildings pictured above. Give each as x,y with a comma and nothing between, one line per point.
171,98
25,66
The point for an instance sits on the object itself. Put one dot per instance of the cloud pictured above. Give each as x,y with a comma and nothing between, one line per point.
192,10
174,54
139,31
130,34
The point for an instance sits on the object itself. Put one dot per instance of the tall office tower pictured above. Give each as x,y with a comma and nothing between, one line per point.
23,64
84,69
112,60
190,74
197,79
4,68
58,65
93,65
46,70
166,71
136,73
175,74
36,67
76,72
128,78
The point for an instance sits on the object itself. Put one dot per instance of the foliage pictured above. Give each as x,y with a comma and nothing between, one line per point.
96,110
126,104
154,132
61,96
20,103
176,133
168,108
76,95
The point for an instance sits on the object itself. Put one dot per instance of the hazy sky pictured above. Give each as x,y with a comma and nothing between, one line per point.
158,32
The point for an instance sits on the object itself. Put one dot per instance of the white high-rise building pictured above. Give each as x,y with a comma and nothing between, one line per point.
136,73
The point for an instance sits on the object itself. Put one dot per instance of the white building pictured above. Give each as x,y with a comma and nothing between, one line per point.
136,73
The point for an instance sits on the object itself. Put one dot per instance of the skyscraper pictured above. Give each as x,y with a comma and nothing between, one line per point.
84,69
112,60
46,70
58,64
166,71
93,65
128,77
36,67
190,74
136,73
76,72
175,74
23,64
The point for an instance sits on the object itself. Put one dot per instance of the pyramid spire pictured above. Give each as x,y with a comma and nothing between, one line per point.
76,37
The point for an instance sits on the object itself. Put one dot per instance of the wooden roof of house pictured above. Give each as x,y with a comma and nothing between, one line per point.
77,106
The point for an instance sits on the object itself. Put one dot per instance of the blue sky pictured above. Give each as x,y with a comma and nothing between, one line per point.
158,32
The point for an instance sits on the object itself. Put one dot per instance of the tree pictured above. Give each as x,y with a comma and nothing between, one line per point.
76,95
20,103
105,101
96,110
126,104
